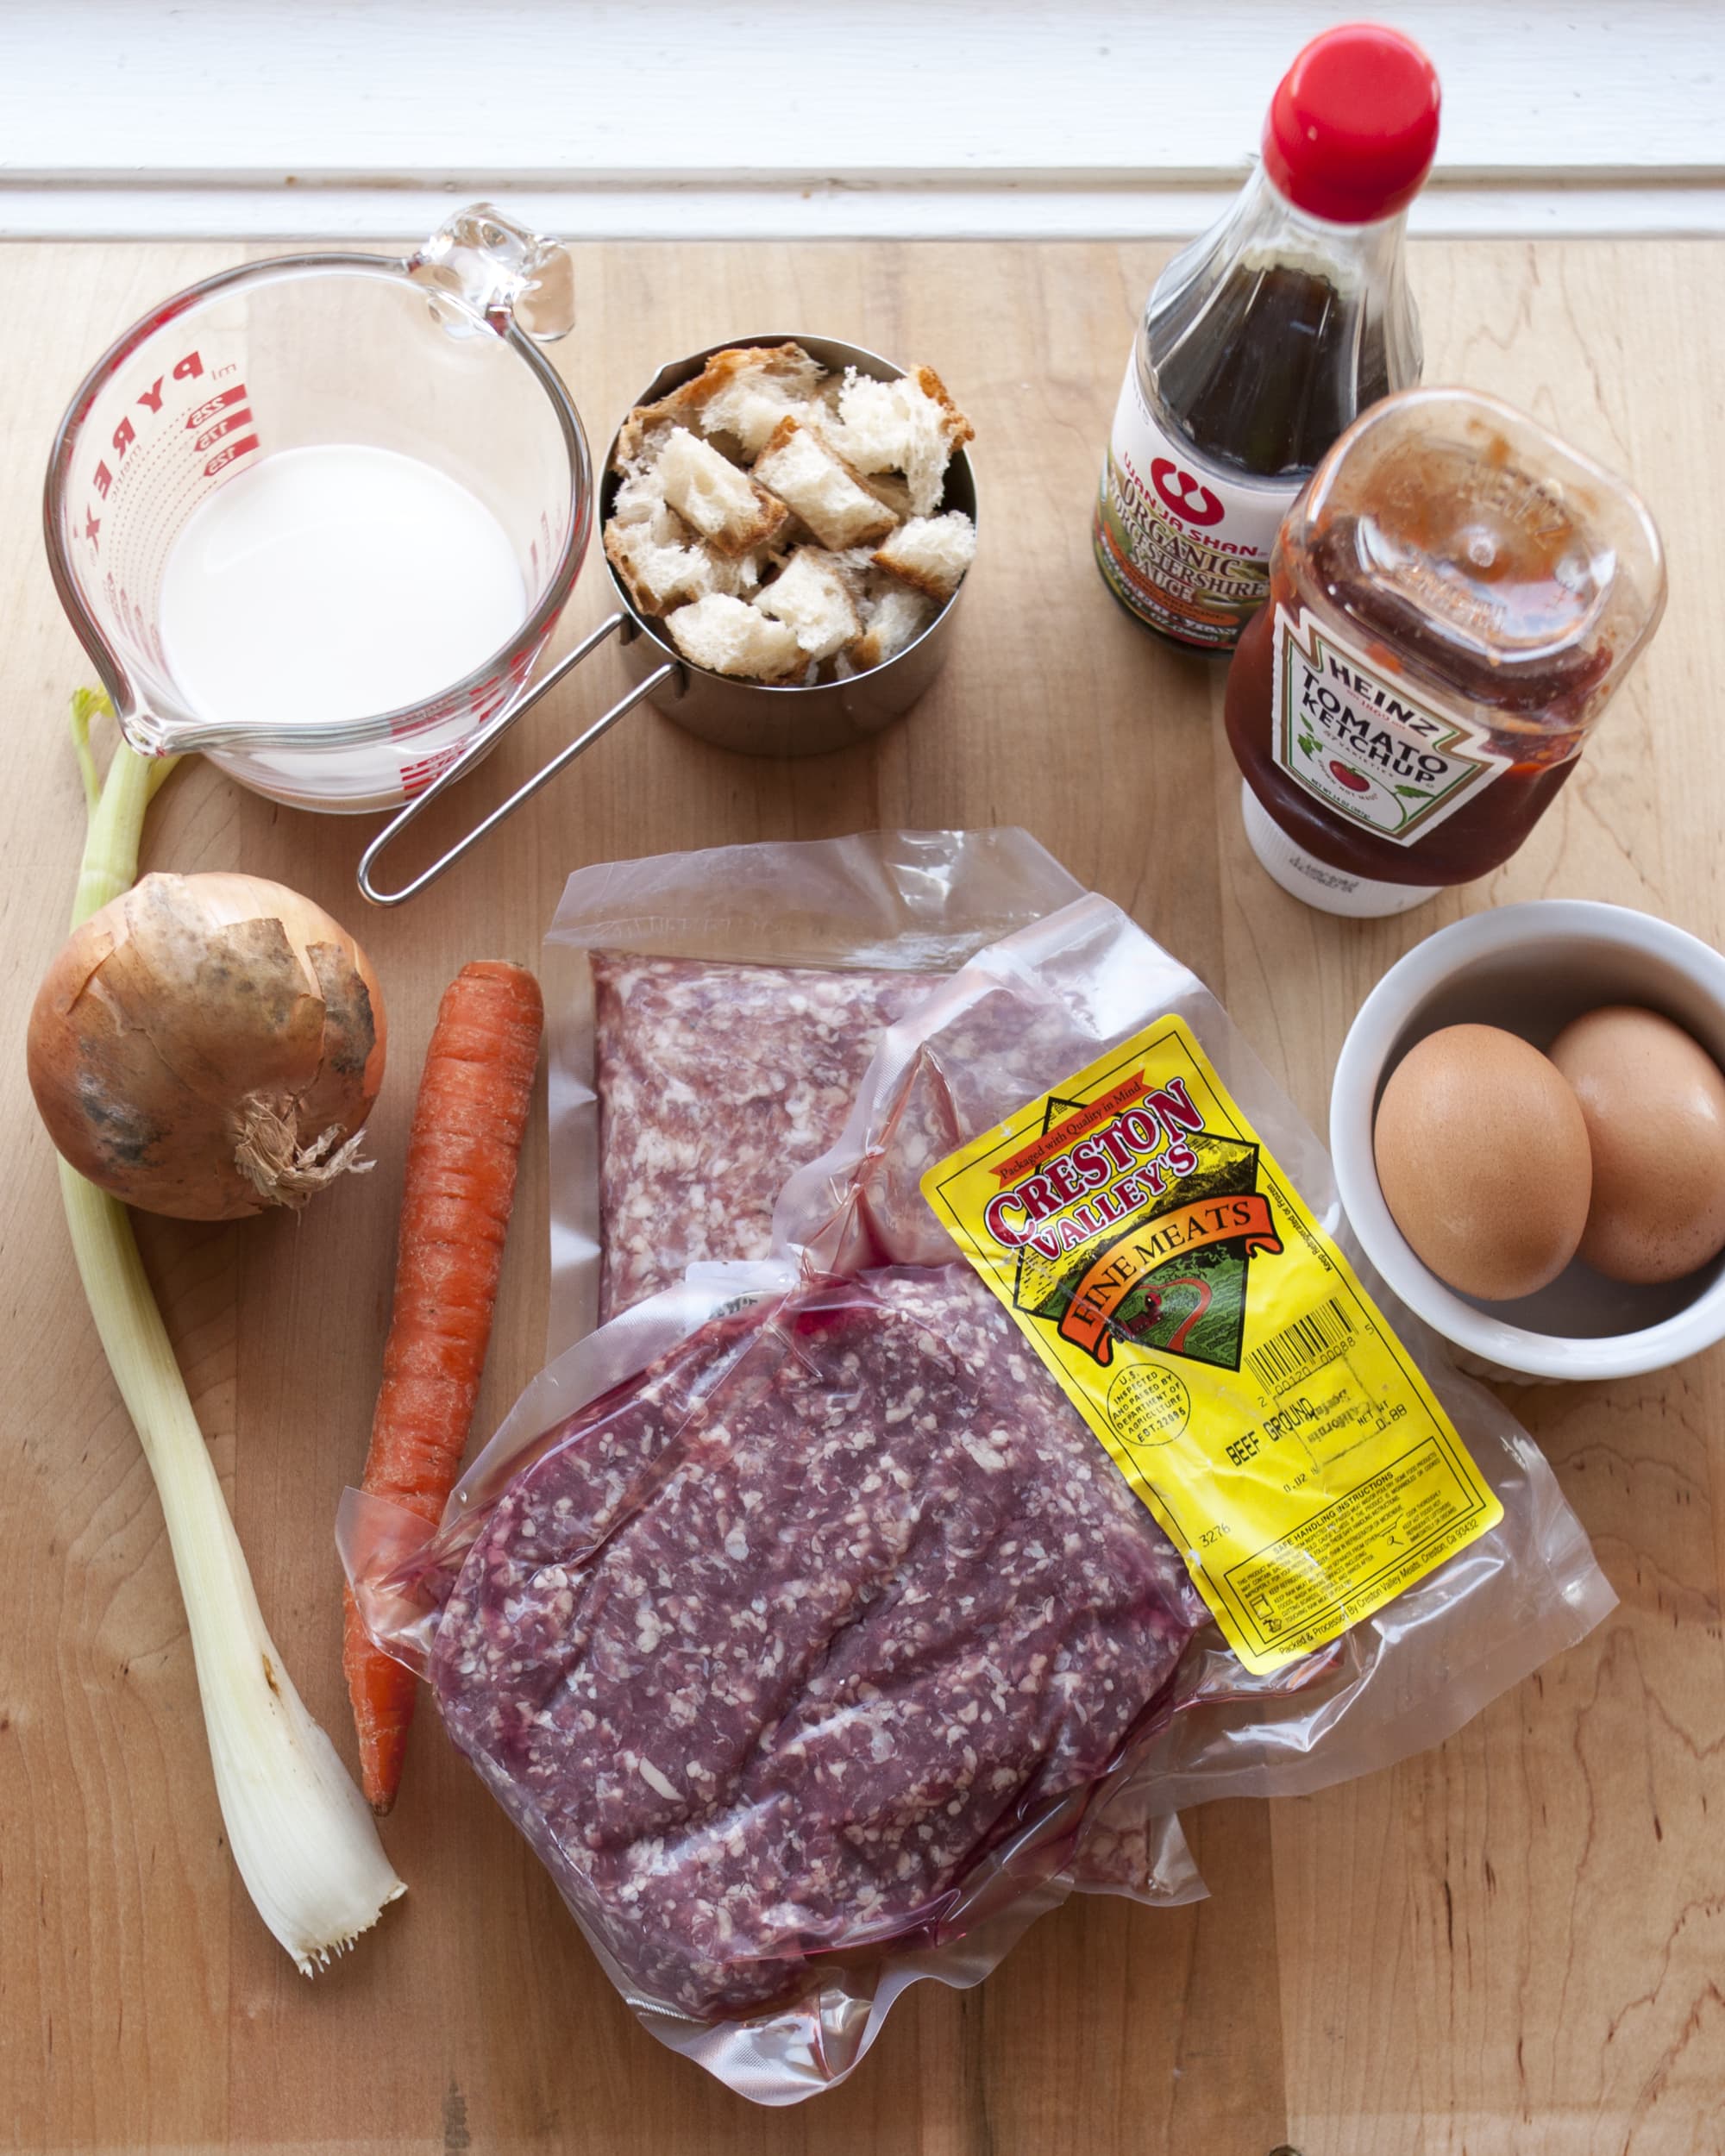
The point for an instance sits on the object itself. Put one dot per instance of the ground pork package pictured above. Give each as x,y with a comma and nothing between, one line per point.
711,1015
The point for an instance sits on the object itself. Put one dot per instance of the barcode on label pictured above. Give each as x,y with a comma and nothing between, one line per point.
1300,1346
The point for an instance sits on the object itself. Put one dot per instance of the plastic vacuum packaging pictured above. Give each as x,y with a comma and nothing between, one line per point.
1337,1418
817,1634
712,1014
813,1644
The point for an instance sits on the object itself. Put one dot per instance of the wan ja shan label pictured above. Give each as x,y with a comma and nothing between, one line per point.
1165,1269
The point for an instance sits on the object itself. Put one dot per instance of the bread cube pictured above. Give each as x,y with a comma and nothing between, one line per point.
931,553
727,637
891,491
855,565
810,597
896,618
660,572
724,506
831,500
640,505
746,392
910,426
640,439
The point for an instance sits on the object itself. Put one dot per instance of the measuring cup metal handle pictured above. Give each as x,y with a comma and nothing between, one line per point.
481,745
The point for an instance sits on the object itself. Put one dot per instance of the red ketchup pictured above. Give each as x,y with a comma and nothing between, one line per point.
1453,601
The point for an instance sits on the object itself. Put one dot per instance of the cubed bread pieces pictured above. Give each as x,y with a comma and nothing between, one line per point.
896,618
745,393
938,394
743,419
856,565
891,491
931,553
639,505
785,367
910,426
707,491
640,438
727,637
647,428
810,597
830,497
859,464
650,568
660,573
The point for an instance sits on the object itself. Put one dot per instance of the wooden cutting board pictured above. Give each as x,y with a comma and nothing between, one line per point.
1513,1943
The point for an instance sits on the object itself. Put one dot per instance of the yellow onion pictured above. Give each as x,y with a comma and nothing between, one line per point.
206,1046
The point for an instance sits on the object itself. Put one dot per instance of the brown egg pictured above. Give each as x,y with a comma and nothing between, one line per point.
1482,1157
1654,1103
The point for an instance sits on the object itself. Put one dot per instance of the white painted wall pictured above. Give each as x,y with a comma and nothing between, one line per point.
812,117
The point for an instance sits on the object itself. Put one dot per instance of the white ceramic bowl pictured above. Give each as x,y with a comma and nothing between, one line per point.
1530,969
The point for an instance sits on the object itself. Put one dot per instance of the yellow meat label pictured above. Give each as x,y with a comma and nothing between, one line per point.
1166,1270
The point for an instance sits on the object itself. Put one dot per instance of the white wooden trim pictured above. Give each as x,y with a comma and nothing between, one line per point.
786,118
1006,209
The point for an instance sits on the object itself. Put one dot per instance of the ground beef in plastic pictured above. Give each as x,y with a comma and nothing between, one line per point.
770,1651
715,1081
980,1061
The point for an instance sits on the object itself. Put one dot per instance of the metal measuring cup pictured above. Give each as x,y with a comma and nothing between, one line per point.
750,717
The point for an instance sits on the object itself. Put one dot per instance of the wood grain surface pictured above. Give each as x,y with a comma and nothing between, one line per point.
1513,1944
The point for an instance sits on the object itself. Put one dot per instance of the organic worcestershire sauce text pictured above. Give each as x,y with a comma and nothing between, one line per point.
1264,339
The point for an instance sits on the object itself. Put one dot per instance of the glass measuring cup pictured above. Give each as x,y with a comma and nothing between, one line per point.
434,357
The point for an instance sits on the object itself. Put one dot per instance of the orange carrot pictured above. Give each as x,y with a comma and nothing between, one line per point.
467,1126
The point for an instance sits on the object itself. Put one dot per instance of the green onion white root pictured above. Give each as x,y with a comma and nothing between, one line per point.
304,1838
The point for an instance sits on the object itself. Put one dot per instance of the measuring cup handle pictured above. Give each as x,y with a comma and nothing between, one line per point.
481,745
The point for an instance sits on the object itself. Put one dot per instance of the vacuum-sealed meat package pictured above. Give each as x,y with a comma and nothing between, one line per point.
1381,1548
711,1015
812,1659
712,1082
767,1658
824,1617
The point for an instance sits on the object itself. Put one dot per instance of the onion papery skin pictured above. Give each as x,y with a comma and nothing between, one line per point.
198,1025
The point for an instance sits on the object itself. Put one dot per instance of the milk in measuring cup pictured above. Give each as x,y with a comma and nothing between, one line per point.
335,582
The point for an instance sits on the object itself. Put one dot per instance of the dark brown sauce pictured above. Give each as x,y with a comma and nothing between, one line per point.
1258,374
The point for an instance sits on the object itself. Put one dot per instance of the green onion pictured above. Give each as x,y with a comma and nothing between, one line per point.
301,1835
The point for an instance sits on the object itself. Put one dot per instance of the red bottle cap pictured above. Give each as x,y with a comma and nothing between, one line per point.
1353,128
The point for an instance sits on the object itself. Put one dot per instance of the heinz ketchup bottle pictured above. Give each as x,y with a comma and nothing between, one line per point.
1453,601
1264,339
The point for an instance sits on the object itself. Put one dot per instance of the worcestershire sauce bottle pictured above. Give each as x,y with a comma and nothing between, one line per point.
1264,339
